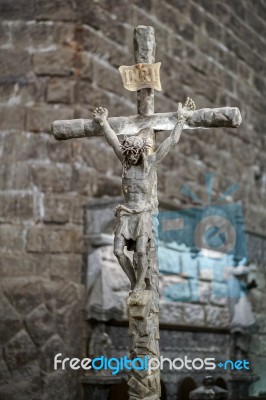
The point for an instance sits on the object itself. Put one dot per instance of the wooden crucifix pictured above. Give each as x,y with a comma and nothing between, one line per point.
135,226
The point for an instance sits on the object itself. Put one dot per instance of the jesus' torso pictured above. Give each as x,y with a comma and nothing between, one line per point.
140,187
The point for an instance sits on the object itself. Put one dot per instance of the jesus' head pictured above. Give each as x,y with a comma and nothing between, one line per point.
134,148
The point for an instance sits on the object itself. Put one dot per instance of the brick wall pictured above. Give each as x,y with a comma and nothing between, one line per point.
59,60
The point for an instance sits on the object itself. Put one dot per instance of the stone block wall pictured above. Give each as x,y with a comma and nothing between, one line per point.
58,60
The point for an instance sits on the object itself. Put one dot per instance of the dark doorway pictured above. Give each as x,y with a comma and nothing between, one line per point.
221,383
119,391
186,386
163,391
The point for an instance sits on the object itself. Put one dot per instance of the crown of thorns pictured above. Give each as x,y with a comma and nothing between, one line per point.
134,145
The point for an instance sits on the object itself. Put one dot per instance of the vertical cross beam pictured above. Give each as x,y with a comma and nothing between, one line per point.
144,50
143,314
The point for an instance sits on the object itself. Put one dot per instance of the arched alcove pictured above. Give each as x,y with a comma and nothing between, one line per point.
119,391
221,383
185,387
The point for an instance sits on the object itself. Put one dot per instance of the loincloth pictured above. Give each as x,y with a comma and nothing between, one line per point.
132,223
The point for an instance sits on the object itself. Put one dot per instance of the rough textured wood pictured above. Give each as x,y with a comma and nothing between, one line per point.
228,117
144,49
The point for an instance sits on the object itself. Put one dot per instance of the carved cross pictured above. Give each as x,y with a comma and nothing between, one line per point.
143,306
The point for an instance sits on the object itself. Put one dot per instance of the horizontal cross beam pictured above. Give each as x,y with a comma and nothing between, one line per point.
227,117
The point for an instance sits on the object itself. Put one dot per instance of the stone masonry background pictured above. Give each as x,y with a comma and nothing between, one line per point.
59,60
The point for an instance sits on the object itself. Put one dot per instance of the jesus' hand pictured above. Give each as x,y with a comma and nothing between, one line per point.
100,114
186,112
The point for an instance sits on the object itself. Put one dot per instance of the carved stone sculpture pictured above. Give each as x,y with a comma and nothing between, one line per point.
136,218
139,180
134,229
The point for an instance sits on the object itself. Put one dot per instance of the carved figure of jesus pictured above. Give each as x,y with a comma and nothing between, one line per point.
133,227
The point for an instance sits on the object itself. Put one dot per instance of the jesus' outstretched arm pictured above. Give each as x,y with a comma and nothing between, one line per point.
183,114
100,115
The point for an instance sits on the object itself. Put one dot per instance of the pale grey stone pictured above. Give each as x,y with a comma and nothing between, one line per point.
19,350
115,276
40,324
219,294
204,292
53,346
217,317
171,313
11,322
102,305
4,372
194,315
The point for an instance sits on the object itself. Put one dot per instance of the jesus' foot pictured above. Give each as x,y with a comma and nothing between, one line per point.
136,298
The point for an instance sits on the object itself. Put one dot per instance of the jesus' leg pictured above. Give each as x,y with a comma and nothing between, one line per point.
142,266
124,261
